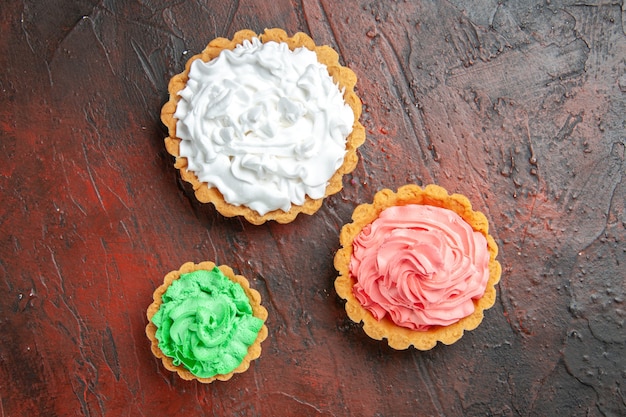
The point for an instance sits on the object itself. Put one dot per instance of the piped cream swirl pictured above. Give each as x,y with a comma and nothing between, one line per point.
264,125
420,265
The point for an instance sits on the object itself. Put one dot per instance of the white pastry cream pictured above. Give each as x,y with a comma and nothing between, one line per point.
264,125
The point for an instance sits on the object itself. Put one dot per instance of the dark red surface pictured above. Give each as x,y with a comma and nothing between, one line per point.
518,105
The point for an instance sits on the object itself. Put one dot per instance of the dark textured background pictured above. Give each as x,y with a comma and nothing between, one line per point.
520,105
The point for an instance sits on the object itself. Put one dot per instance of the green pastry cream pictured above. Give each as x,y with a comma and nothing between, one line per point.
205,323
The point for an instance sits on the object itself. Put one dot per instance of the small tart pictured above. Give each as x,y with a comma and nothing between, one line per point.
342,76
258,311
400,337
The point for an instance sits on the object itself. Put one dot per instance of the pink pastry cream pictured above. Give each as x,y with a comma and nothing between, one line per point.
419,265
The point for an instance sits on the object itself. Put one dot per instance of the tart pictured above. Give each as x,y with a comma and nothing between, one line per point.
264,126
206,323
417,267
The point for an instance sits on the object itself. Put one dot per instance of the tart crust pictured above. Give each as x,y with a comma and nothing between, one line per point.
254,351
343,76
400,337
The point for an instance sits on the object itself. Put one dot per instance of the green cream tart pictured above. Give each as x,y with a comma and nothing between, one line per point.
205,323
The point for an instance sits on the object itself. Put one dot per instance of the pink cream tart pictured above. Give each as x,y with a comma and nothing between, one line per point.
419,265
